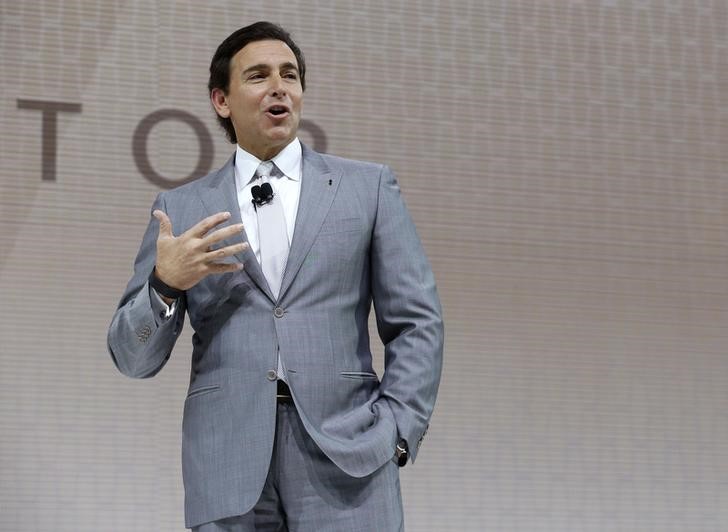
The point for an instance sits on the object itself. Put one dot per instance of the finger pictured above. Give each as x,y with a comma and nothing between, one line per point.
165,224
224,267
222,234
202,227
227,251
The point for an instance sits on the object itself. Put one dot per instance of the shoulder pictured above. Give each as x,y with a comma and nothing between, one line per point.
346,167
352,164
210,180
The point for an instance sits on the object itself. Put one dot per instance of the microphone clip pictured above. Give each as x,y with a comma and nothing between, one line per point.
262,194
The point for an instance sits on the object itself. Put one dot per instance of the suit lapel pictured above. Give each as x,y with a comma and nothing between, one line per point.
318,188
220,195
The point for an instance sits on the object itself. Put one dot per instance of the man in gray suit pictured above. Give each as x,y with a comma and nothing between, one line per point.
277,258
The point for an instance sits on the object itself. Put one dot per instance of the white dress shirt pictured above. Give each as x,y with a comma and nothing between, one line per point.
288,188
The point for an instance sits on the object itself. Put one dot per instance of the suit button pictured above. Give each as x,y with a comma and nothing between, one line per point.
272,375
278,312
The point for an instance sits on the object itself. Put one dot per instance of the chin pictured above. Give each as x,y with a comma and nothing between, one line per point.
281,137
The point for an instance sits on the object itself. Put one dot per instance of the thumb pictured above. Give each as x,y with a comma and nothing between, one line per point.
165,224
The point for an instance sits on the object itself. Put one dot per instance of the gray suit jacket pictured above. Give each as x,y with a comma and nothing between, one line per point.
354,243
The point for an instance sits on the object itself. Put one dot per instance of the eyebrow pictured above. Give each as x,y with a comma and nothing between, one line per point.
262,66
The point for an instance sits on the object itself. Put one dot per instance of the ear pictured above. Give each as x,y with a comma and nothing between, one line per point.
219,102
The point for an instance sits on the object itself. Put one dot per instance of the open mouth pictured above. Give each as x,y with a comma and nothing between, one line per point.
278,110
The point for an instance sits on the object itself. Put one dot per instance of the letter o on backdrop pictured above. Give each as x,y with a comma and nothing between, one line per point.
141,155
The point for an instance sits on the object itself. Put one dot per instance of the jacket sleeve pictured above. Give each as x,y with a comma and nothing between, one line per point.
409,316
140,342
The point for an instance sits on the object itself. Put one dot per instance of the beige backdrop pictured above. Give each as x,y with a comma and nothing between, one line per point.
566,164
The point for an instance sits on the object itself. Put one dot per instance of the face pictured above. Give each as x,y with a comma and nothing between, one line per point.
264,97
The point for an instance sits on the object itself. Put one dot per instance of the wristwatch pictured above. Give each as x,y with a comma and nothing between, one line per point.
401,452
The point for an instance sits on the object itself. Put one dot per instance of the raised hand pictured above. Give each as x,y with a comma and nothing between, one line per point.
184,260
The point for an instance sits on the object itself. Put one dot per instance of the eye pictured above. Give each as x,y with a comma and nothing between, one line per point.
290,75
256,76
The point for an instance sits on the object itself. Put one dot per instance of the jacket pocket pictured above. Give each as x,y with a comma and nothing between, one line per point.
202,390
363,375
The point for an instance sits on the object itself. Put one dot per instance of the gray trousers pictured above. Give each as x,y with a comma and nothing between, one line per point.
306,492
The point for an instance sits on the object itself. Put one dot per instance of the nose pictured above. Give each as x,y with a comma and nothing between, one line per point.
277,88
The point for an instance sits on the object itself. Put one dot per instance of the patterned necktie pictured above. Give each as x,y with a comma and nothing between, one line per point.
272,232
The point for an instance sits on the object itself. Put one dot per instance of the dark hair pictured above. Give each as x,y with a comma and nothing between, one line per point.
220,64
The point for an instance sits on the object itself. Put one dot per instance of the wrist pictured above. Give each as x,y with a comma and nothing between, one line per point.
402,452
168,293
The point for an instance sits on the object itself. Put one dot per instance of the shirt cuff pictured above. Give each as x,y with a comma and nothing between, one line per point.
162,311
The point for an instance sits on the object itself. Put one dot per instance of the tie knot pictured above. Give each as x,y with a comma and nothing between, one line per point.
266,169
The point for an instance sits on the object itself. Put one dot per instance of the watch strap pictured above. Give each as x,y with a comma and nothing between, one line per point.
163,288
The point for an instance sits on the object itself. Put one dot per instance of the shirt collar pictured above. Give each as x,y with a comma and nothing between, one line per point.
288,161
